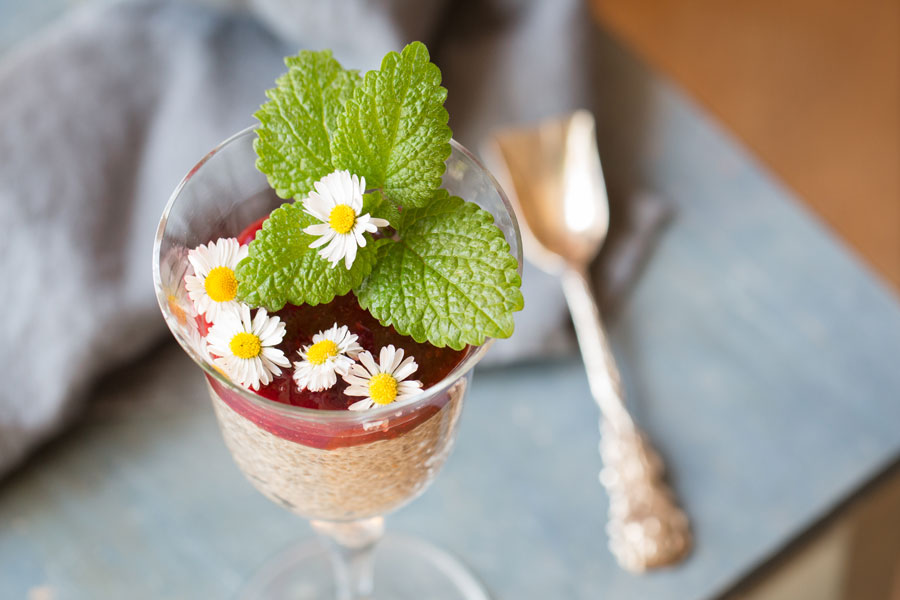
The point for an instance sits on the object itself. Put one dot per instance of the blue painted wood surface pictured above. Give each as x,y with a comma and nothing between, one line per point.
757,352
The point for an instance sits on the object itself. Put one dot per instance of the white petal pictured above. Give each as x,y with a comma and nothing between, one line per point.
356,375
216,346
335,250
385,356
242,253
196,291
260,370
321,197
253,379
245,370
200,260
226,251
276,356
215,311
390,358
350,253
265,327
361,228
278,336
409,387
351,347
207,307
326,380
246,322
260,319
355,201
317,208
342,364
323,190
218,340
336,334
362,405
326,253
235,368
272,332
355,381
318,229
346,185
368,362
265,367
329,236
405,369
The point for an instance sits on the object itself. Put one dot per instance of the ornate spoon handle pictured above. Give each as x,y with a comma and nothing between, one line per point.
646,527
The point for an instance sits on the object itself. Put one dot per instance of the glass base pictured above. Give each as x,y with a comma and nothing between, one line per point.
405,569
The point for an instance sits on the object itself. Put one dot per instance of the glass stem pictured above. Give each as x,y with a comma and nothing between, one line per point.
352,548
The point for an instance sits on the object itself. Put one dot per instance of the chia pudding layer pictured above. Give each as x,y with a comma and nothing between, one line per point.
340,472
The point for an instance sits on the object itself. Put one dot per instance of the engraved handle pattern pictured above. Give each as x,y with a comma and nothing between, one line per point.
646,527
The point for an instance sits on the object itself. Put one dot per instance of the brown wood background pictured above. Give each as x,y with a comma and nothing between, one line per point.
811,86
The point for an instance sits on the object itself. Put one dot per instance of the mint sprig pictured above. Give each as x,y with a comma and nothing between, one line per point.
294,143
282,268
450,278
394,131
442,272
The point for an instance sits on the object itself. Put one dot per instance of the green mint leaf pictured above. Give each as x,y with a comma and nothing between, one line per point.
450,279
294,138
281,267
394,131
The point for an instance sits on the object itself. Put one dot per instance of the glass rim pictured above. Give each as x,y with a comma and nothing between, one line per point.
472,358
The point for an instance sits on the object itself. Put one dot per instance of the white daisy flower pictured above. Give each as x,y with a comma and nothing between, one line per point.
381,383
245,349
337,201
331,354
213,286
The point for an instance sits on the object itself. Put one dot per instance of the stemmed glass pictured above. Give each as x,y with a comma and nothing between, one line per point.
342,470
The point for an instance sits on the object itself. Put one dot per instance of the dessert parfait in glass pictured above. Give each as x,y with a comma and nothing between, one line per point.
337,331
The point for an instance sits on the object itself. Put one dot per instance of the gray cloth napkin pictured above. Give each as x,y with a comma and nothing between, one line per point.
101,115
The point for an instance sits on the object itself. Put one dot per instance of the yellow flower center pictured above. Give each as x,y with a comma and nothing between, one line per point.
383,388
221,284
319,352
245,345
342,218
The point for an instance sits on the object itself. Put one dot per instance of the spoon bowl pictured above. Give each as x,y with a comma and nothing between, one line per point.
558,188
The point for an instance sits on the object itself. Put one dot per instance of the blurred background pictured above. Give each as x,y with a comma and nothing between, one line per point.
811,90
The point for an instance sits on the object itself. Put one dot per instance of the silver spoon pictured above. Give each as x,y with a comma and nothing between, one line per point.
556,183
